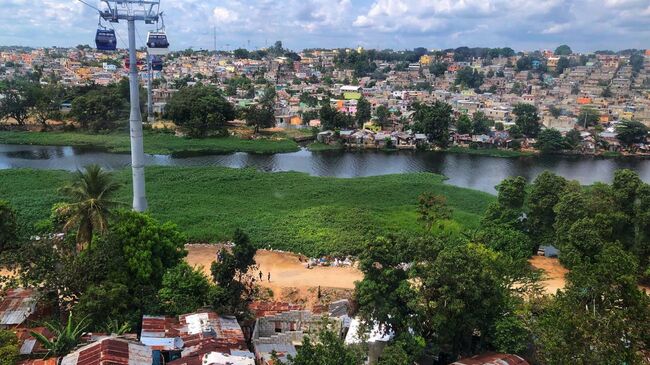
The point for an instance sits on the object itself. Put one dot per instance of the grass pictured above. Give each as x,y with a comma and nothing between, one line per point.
288,210
493,152
611,154
318,146
154,143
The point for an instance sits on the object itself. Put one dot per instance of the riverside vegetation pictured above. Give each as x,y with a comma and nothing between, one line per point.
291,211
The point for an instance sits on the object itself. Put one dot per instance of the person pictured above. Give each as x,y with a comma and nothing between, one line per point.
261,276
269,276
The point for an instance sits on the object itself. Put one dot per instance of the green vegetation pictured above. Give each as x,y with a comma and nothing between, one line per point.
318,146
493,152
154,143
285,210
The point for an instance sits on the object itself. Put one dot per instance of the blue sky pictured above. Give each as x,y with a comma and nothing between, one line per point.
586,25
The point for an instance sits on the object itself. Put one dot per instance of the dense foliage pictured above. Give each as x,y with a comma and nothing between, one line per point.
199,110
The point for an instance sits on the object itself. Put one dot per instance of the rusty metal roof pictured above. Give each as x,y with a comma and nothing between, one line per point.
197,333
17,306
263,309
492,359
28,344
110,351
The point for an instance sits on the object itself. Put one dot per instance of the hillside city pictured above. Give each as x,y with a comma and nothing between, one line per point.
584,97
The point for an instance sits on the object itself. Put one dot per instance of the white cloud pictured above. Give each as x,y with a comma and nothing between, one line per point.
224,16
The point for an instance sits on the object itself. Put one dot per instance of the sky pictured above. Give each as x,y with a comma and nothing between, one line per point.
585,25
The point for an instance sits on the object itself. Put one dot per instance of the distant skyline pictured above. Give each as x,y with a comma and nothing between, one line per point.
585,25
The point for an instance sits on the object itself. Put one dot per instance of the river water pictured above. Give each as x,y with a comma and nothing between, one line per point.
471,171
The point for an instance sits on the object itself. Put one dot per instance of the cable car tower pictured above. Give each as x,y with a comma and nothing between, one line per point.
147,11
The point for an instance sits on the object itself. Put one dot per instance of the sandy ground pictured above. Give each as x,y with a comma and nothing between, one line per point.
554,272
290,280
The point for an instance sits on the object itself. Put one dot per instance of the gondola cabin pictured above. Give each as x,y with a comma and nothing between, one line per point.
157,43
127,63
156,63
105,40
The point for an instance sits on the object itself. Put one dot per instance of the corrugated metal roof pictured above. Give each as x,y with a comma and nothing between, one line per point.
28,344
492,359
17,306
263,309
111,351
200,332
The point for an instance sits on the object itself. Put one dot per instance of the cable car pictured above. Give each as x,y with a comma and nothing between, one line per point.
105,40
157,43
156,63
127,63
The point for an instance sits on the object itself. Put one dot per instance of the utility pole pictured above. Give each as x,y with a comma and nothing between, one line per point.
150,118
132,10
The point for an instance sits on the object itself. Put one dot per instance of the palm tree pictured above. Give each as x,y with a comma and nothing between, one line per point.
65,338
89,203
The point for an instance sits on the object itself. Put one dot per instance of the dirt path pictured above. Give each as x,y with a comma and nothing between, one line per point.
554,273
290,280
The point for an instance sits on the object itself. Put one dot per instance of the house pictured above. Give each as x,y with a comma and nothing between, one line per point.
377,338
281,333
190,336
492,359
16,307
110,350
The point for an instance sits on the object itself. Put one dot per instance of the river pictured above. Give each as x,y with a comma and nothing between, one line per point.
470,171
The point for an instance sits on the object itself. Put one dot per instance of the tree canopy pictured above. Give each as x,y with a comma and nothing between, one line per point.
199,110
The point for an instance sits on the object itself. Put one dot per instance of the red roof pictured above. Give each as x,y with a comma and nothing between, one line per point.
110,351
17,306
492,359
28,344
263,309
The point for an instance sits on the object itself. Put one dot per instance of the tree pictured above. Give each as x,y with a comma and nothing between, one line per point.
555,111
48,100
630,132
235,286
66,337
8,226
364,112
17,101
149,247
600,317
549,140
469,78
329,350
90,203
241,53
260,117
562,64
184,290
607,92
98,109
460,305
588,117
572,139
464,124
527,119
563,50
509,241
438,68
480,123
9,347
433,120
543,197
327,116
199,110
383,115
432,209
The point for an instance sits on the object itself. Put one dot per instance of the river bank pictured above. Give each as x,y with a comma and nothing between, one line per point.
288,210
154,143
